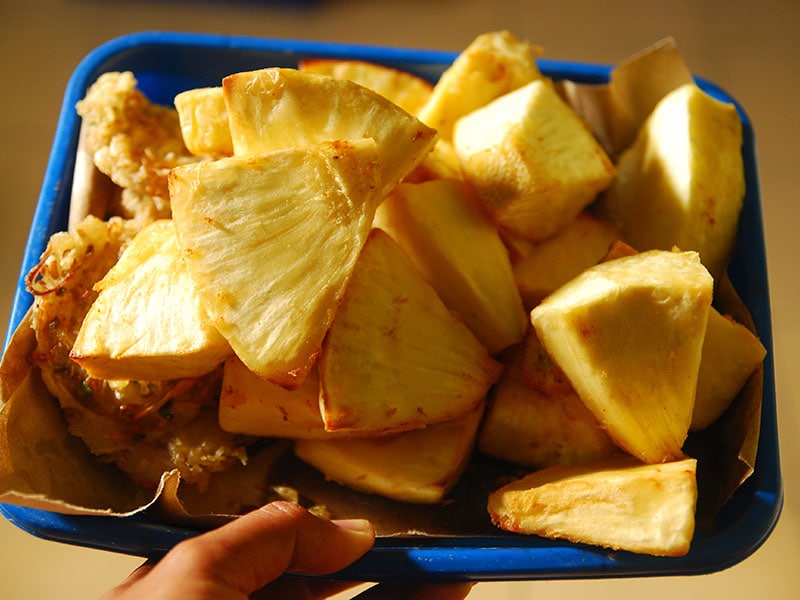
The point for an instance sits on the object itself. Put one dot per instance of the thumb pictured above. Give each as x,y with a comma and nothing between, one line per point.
255,549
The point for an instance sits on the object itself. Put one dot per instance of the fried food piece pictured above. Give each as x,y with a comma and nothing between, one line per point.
252,405
537,421
532,160
270,242
731,353
682,181
204,121
419,466
396,358
134,142
147,322
628,334
146,428
493,64
616,503
545,266
278,109
458,250
406,90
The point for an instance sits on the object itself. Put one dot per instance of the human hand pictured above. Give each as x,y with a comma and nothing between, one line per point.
248,558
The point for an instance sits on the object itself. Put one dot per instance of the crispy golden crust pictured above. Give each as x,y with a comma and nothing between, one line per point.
146,428
133,141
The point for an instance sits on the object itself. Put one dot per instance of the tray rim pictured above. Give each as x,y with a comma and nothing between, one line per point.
473,558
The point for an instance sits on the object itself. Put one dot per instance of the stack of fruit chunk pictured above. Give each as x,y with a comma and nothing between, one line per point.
394,273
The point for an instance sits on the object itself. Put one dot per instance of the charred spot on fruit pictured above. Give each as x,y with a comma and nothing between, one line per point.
586,329
213,223
233,398
340,148
708,214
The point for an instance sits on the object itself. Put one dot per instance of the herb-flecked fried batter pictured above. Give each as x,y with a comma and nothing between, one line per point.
146,428
133,141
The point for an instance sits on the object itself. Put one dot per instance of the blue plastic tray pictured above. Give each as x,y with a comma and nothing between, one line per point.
167,63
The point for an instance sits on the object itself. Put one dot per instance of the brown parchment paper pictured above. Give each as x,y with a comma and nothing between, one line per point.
93,192
615,111
726,450
43,466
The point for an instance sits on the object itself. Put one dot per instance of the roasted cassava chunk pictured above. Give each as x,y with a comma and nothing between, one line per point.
628,333
682,183
147,322
395,357
419,466
204,121
276,109
458,250
270,242
617,503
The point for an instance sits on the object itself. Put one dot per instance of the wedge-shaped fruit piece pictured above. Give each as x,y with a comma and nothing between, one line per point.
270,242
629,334
250,405
204,121
395,357
458,250
532,160
528,427
731,353
147,322
493,64
619,504
682,182
276,108
548,265
406,90
419,466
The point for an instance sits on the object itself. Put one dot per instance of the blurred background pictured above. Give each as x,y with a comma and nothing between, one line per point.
751,49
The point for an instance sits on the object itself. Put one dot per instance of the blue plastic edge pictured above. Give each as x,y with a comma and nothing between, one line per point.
493,558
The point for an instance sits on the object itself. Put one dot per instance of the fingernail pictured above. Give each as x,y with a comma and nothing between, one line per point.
361,526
